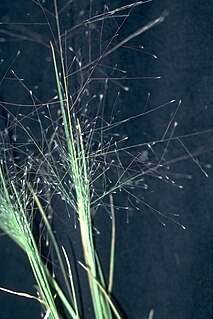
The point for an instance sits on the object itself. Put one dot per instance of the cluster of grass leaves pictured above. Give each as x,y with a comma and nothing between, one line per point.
72,163
20,196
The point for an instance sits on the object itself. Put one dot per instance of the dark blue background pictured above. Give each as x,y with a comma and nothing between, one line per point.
167,269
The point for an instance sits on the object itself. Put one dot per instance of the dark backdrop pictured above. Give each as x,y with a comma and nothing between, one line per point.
158,267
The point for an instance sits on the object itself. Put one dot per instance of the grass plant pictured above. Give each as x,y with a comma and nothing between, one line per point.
80,166
18,200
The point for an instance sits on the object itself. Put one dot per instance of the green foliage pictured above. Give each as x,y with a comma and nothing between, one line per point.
20,199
